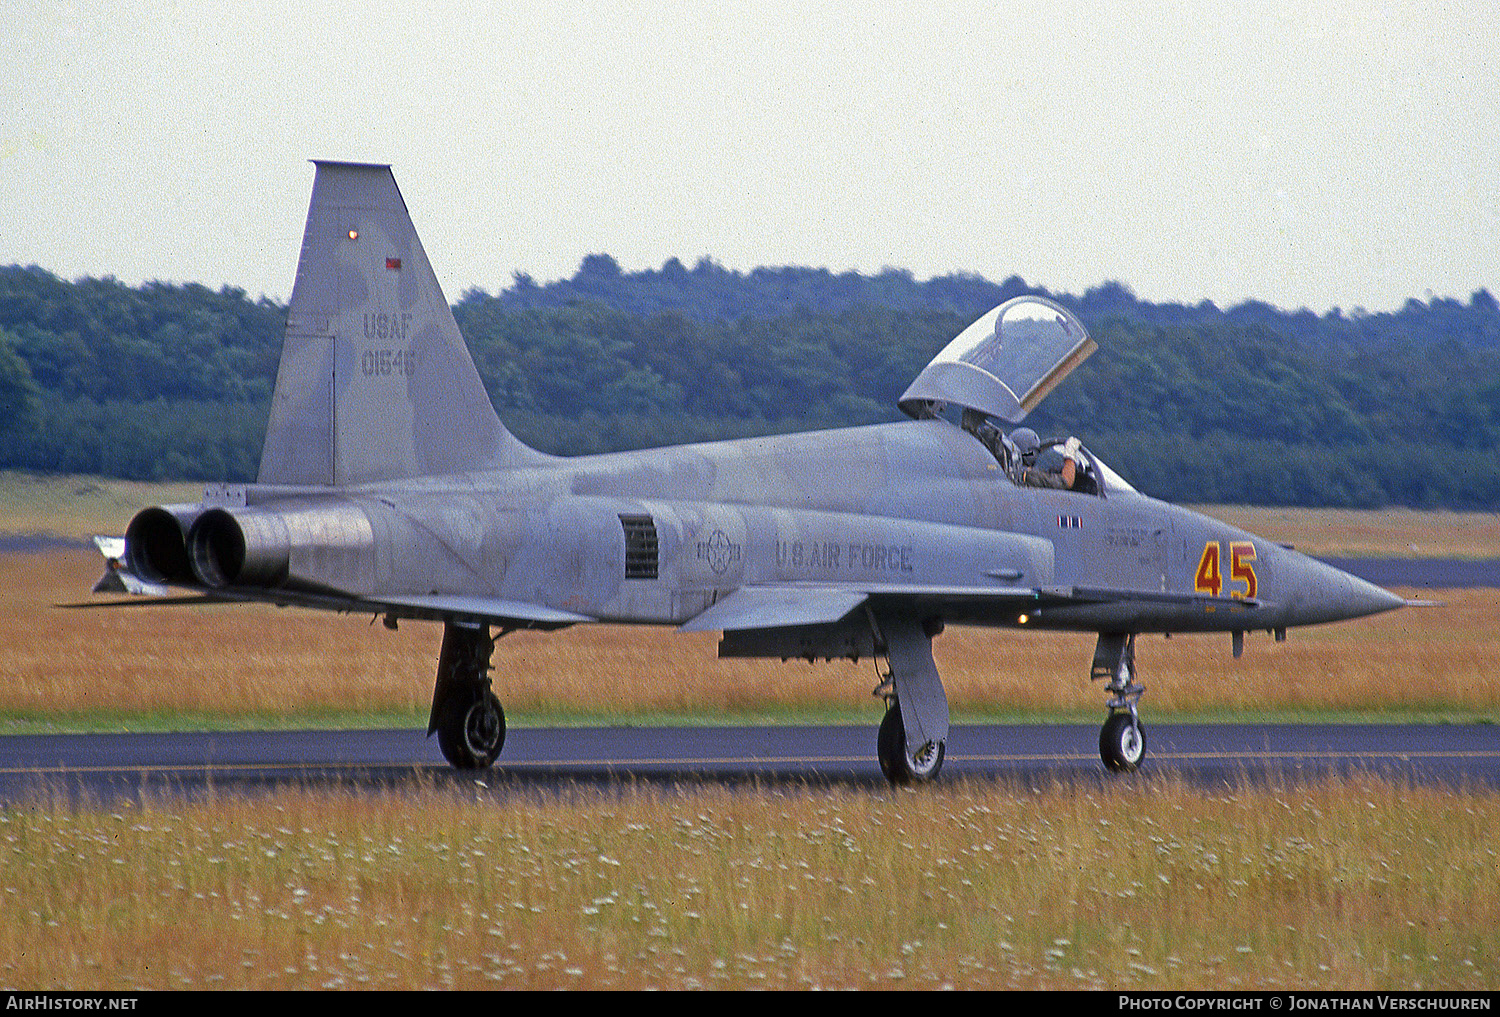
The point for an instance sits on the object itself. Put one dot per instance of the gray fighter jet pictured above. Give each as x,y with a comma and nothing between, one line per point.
388,485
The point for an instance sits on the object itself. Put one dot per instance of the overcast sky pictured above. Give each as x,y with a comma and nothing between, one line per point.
1306,154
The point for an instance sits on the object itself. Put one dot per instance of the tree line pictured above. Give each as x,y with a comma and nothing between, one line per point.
1189,402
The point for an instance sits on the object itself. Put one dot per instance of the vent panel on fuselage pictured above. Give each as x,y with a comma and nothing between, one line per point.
641,555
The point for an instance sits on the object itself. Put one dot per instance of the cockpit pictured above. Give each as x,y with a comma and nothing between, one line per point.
994,373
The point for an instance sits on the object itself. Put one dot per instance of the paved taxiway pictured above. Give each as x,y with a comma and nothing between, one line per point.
106,767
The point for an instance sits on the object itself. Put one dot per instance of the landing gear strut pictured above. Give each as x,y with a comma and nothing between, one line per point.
1122,740
468,719
915,727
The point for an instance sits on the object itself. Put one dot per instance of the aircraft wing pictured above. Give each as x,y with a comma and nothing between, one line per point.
766,607
118,578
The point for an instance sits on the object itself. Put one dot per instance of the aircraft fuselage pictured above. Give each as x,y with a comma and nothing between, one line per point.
895,507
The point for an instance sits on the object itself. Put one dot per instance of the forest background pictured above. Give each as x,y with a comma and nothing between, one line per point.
1250,405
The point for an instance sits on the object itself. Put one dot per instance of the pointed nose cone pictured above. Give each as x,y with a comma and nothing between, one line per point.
1364,598
1318,592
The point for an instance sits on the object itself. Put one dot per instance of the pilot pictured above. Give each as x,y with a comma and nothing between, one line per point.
982,427
1029,474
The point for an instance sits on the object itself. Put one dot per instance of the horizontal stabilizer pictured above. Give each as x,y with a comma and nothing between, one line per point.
117,577
433,607
148,601
110,547
485,609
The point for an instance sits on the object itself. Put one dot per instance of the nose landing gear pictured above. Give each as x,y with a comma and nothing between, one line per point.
1122,739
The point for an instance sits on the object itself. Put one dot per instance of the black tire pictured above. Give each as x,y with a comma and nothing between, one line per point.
473,732
1122,743
898,765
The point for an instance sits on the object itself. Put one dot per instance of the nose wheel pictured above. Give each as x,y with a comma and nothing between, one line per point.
1122,740
1122,743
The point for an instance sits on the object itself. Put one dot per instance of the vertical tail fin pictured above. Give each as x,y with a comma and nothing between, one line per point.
375,381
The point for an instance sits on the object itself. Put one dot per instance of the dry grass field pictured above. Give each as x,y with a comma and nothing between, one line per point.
255,666
1386,533
76,508
1134,884
153,667
1158,885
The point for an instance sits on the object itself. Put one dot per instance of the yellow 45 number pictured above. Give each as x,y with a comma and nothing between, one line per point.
1210,577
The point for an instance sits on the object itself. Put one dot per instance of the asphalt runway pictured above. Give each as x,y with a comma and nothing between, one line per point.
110,767
105,767
102,768
1429,573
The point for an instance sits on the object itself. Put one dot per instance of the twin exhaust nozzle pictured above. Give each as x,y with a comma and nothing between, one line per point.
217,547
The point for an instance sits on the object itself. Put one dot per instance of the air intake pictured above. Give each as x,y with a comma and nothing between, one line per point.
641,560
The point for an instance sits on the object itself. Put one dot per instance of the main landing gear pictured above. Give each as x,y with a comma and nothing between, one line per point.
468,719
915,727
1122,740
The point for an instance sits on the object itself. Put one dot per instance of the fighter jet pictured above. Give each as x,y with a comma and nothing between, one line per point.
388,485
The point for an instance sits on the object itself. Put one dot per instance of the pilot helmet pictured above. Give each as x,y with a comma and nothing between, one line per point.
1026,441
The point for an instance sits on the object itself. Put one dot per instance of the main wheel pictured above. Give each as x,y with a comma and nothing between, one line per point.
899,765
1122,743
473,732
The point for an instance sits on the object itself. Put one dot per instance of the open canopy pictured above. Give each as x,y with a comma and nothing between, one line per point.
1003,364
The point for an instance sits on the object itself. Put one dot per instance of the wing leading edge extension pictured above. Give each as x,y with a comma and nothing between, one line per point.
795,604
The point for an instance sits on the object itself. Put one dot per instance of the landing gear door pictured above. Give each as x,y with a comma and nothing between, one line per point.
1003,364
